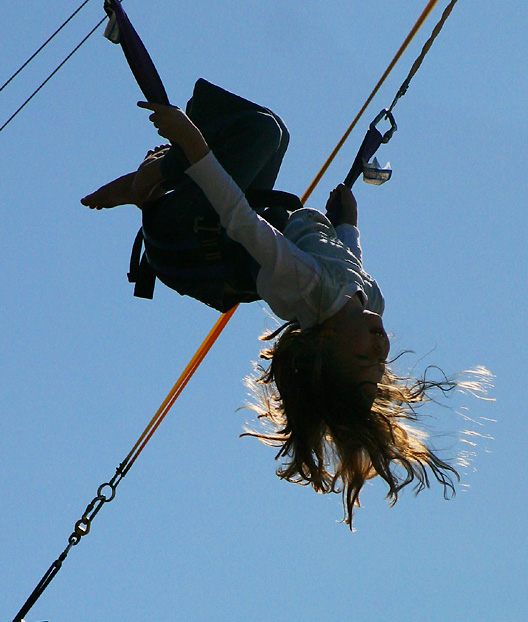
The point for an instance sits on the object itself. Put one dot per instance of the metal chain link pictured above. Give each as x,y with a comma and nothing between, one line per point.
105,493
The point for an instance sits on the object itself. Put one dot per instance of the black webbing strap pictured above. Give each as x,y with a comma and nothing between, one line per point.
273,198
369,146
141,272
137,56
371,143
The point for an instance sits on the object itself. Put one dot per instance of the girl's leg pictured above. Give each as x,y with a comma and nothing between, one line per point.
248,139
133,188
250,142
250,146
268,174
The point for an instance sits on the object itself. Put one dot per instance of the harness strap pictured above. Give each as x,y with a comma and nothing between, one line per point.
273,198
135,52
371,143
141,272
200,255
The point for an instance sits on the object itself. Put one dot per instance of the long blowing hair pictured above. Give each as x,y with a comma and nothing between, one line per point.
330,435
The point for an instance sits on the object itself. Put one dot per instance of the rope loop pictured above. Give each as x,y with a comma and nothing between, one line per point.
100,492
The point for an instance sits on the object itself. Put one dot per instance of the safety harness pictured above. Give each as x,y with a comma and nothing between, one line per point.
204,259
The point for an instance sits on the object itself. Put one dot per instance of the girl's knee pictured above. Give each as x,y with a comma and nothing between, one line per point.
269,132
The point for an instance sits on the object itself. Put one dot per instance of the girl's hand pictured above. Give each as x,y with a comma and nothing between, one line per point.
341,206
174,124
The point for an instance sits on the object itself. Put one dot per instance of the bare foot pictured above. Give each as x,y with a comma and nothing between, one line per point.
117,192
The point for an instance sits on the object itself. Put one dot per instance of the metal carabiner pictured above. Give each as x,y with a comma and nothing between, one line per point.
387,115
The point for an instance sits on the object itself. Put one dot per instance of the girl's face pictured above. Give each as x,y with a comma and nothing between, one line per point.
359,346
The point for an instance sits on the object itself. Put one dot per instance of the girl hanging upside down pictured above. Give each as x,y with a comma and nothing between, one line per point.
339,414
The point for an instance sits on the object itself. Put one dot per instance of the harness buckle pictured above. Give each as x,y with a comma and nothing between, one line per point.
199,227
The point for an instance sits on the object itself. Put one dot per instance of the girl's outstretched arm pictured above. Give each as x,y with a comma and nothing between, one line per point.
347,220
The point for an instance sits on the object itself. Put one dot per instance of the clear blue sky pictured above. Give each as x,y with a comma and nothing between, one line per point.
201,528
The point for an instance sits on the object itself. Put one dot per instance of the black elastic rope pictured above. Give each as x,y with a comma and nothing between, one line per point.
105,493
37,592
425,49
43,46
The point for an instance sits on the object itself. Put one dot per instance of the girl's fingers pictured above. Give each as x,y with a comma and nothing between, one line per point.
150,106
157,107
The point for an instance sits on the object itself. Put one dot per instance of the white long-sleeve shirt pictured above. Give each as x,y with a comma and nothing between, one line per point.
308,272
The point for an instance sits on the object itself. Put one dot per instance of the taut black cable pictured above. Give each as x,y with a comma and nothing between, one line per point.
43,46
52,73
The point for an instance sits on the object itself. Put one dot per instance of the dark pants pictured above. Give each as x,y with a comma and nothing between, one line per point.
250,142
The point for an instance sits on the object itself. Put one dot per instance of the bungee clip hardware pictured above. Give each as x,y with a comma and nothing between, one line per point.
373,173
371,170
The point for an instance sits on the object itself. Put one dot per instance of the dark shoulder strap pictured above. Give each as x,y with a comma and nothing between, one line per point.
273,198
